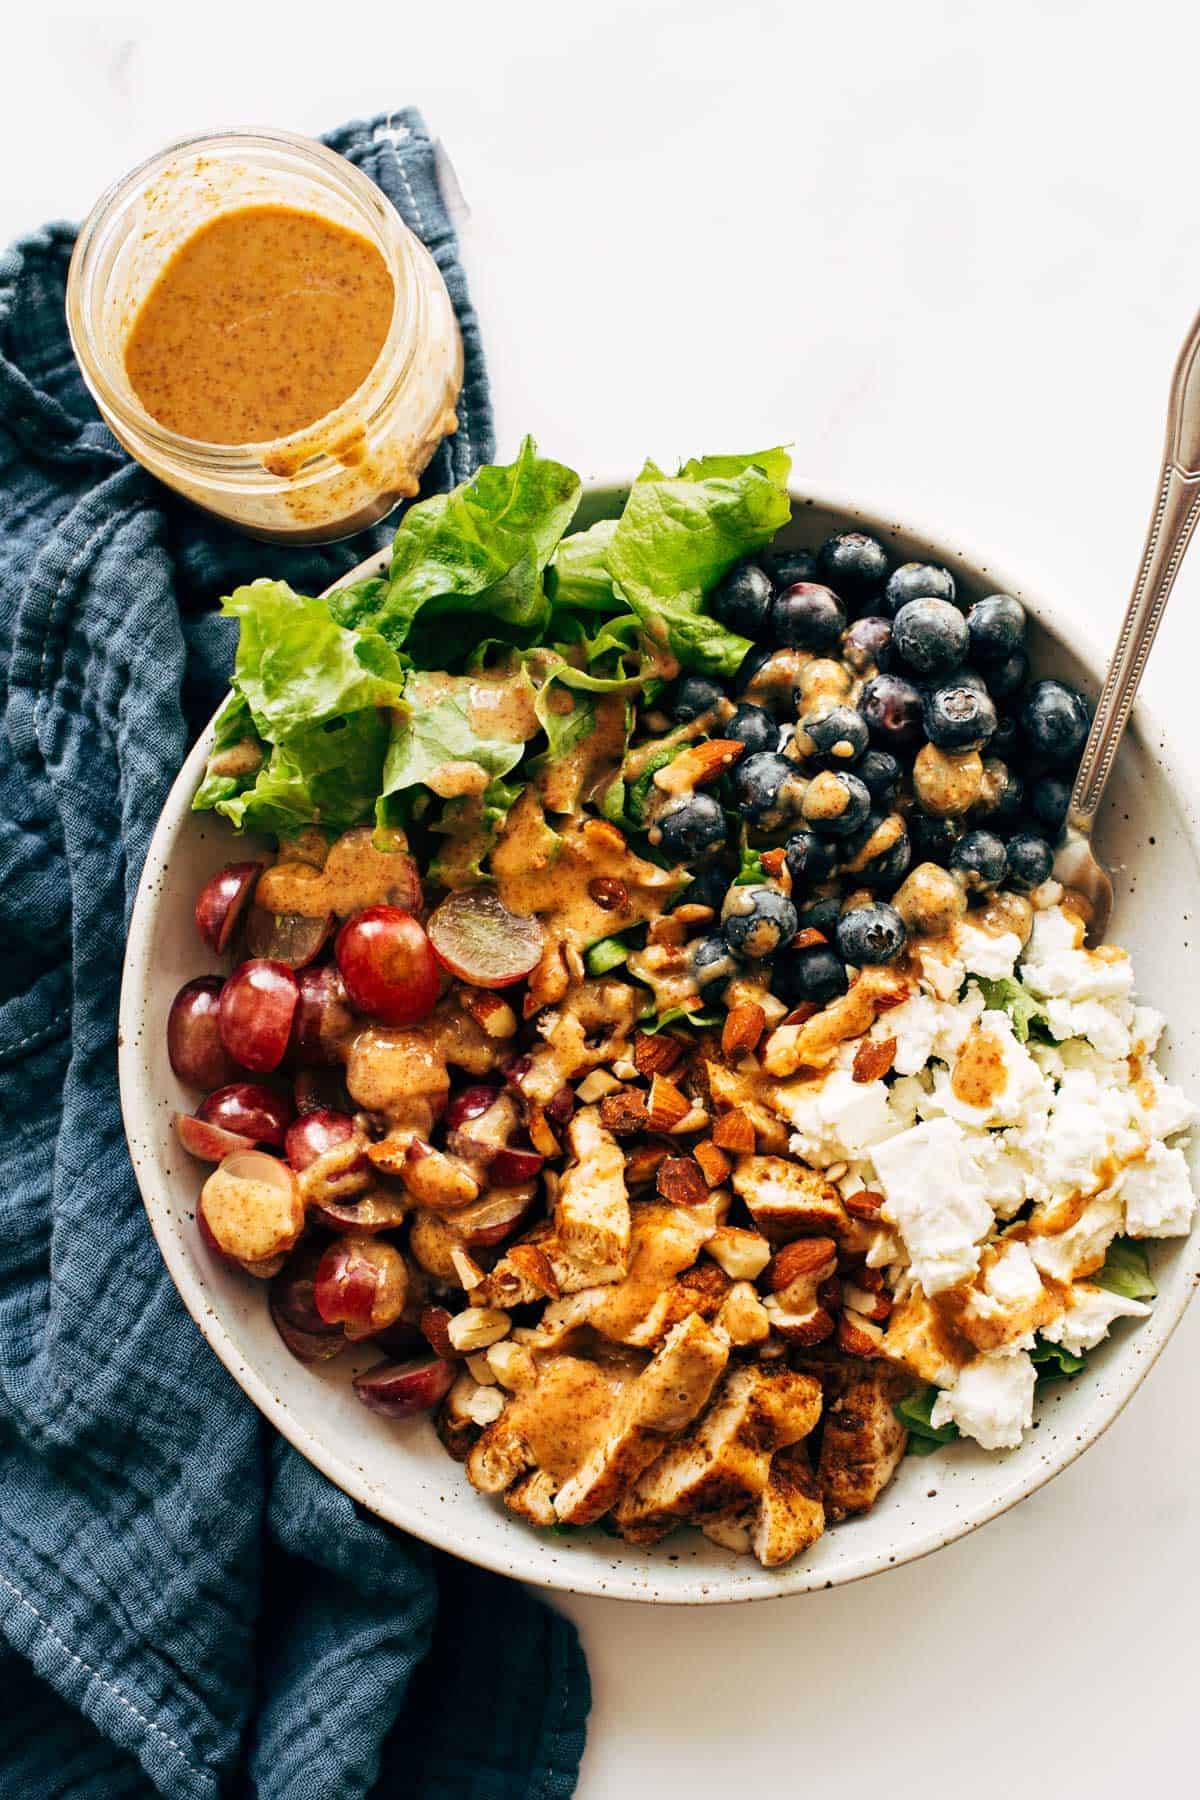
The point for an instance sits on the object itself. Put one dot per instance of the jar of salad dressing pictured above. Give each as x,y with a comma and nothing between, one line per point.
262,331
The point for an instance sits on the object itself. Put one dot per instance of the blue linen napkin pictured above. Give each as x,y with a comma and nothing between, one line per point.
188,1606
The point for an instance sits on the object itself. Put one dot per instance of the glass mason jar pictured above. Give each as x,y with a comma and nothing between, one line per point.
349,468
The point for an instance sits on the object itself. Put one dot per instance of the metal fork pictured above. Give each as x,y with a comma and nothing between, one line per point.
1176,513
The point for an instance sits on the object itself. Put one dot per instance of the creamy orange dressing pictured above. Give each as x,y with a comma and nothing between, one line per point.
979,1073
262,322
565,1415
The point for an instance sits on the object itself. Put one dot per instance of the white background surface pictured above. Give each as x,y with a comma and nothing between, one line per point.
948,251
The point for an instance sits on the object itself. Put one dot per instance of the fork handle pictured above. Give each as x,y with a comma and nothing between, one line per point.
1175,517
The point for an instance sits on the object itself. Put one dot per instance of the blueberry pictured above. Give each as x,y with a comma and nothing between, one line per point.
959,715
817,974
1009,677
880,854
758,921
932,839
1050,797
768,788
713,965
997,628
853,563
742,599
836,803
1030,860
981,859
873,933
752,726
917,581
892,708
706,888
1003,790
930,636
750,664
809,859
838,733
1055,721
820,915
867,644
880,773
1007,735
692,828
784,568
694,695
808,617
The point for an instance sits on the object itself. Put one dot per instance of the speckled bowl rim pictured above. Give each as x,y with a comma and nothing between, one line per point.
537,1560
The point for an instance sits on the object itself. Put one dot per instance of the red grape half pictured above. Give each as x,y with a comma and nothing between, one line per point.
479,940
387,964
258,1003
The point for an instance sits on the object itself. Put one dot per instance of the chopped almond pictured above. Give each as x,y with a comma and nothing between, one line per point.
657,1054
624,1113
810,1258
808,939
734,1132
667,929
858,1336
642,1164
666,1105
680,1182
540,1134
534,1266
743,1027
873,1058
864,1205
714,1162
774,862
490,1012
697,764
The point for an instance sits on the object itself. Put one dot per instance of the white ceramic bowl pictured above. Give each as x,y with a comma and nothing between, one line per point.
400,1471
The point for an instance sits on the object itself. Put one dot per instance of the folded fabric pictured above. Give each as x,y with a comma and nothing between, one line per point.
189,1607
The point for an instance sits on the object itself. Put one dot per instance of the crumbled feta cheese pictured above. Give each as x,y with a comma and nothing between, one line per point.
1056,967
1082,1247
1090,1312
925,1028
1169,1110
1012,1278
1003,1170
941,971
1148,1027
1091,1019
992,1400
1157,1192
992,956
1073,1145
1018,1098
835,1117
935,1200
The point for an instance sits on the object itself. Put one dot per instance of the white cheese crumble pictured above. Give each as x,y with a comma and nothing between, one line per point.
835,1117
992,956
936,1201
991,1401
1088,1317
1157,1192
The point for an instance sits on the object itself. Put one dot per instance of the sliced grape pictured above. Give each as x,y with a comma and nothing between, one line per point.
322,1019
314,1133
221,902
249,1110
289,938
511,1166
258,1004
194,1045
481,942
294,1312
470,1103
251,1207
361,1283
376,1211
387,965
494,1217
211,1143
401,1390
314,1090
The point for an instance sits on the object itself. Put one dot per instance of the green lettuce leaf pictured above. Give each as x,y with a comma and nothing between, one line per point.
578,574
1053,1362
679,534
639,789
438,730
471,826
234,730
914,1412
606,954
1126,1271
653,1022
1026,1012
481,548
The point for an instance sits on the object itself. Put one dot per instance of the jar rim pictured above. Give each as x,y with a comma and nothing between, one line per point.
246,461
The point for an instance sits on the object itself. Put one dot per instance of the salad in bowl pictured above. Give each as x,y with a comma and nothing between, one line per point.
656,1028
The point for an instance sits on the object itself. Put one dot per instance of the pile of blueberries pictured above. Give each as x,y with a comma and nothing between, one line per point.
941,674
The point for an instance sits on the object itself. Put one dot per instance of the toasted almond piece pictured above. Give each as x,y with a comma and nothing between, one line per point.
680,1181
812,1325
774,862
667,929
873,1058
442,1183
466,1268
693,914
540,1134
695,1119
866,1305
512,1365
743,1027
533,1265
596,1085
642,1164
657,1054
491,1012
481,1368
434,1325
734,1132
808,1258
697,764
829,1294
858,1336
666,1106
713,1162
808,939
741,1253
478,1327
864,1205
624,1113
800,1015
743,1317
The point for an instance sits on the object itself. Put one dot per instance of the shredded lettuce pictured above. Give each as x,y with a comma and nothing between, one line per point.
653,1022
1053,1362
1126,1271
1026,1012
606,954
578,574
914,1412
